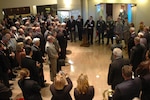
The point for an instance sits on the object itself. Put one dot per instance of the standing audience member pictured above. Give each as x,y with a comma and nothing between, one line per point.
5,92
114,73
143,40
4,66
83,91
137,54
37,56
61,87
100,27
79,22
90,24
118,29
131,40
143,68
126,32
129,88
71,28
145,87
52,56
30,64
109,29
20,53
30,88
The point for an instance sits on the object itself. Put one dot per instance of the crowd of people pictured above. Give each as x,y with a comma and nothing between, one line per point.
25,43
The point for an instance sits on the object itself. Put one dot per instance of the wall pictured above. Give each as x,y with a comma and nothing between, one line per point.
23,3
92,4
142,12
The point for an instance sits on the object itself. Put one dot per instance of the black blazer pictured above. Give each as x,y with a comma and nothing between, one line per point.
5,92
37,54
88,96
115,72
145,87
137,55
30,64
30,89
128,89
62,94
71,25
89,25
79,23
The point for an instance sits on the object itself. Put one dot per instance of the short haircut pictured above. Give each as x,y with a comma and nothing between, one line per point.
137,39
28,50
127,70
117,52
132,29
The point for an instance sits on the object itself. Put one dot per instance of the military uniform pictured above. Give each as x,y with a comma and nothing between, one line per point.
100,27
110,30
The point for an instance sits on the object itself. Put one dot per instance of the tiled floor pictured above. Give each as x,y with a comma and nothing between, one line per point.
93,60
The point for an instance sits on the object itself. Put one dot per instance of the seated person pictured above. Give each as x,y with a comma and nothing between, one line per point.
83,91
5,92
61,87
30,88
129,88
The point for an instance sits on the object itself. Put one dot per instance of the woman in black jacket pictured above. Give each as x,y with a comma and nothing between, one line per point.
83,91
61,87
30,88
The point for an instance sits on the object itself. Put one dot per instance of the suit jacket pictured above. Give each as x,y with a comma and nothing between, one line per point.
62,94
30,64
30,89
37,54
4,62
5,92
128,89
51,51
89,25
100,25
79,23
71,25
145,87
88,96
115,72
137,55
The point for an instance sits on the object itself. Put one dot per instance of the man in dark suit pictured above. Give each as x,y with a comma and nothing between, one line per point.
5,92
90,24
100,27
137,53
128,89
79,22
37,56
71,28
4,66
110,29
145,87
131,40
114,74
30,64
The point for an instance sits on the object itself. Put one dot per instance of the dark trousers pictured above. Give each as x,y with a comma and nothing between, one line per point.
101,35
41,76
80,30
110,36
5,79
90,36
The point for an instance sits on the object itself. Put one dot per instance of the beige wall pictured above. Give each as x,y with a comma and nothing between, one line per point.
23,3
142,12
68,4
